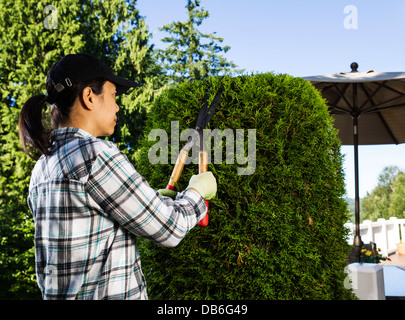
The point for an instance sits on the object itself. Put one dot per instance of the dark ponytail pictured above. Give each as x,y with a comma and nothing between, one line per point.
31,128
33,132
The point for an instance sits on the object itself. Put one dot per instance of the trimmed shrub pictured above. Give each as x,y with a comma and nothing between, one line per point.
277,233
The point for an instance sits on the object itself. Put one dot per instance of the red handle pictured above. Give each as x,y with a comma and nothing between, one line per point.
204,222
203,167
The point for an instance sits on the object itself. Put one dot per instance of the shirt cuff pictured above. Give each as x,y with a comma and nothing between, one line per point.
199,202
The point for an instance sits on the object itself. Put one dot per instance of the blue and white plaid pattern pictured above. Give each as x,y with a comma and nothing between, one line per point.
89,204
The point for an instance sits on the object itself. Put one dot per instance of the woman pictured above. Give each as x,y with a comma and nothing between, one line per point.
88,202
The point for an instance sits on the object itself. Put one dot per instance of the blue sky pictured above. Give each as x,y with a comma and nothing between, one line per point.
305,38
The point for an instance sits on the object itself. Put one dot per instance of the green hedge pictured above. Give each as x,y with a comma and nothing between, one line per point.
275,234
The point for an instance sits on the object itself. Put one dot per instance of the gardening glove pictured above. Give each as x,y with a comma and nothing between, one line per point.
205,184
168,193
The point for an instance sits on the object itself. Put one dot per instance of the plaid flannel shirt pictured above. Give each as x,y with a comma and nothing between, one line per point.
89,204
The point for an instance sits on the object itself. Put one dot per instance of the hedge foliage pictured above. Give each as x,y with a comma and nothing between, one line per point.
275,234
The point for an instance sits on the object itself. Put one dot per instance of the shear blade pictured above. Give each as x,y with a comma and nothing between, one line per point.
206,113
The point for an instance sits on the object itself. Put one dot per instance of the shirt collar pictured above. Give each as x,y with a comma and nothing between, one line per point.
69,133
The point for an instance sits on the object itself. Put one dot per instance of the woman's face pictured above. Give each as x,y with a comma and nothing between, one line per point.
106,111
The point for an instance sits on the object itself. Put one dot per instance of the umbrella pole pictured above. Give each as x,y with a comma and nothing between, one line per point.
358,244
357,239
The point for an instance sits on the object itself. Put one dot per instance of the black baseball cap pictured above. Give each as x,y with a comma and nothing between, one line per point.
74,68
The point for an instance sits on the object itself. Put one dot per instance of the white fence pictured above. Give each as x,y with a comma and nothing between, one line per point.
385,233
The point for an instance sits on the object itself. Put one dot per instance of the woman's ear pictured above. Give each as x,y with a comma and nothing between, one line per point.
88,98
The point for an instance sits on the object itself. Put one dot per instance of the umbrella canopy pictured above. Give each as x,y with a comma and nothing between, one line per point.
369,108
376,98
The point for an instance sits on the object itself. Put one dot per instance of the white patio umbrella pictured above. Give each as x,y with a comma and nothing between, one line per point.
368,108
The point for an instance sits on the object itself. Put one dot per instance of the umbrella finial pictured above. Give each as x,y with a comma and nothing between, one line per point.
354,66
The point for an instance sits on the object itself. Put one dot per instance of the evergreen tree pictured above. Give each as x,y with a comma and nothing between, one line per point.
277,233
191,54
33,36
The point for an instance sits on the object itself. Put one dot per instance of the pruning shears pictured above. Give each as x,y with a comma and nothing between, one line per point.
202,121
